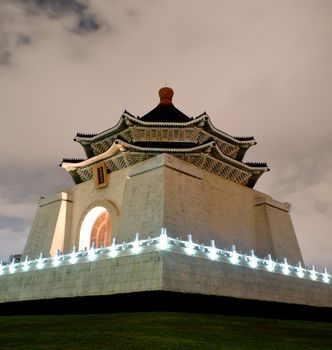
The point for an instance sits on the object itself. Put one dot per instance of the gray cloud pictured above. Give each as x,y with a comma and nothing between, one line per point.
12,242
58,7
6,41
20,189
84,21
5,56
86,24
23,40
31,182
305,182
19,26
16,224
9,42
53,9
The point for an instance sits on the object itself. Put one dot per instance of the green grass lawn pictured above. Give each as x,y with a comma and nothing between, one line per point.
160,330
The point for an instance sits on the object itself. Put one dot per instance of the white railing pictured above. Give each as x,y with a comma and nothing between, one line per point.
164,242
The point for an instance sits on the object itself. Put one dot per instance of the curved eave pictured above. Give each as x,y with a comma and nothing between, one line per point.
128,119
72,166
120,126
210,147
213,130
260,168
202,120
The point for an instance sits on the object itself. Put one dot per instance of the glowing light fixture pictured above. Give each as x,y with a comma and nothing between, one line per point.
92,253
73,257
26,264
326,277
213,251
270,263
163,240
136,246
40,263
113,253
300,272
56,260
12,267
313,273
253,260
234,256
285,267
190,246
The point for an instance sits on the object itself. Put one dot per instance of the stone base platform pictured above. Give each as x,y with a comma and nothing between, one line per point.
163,265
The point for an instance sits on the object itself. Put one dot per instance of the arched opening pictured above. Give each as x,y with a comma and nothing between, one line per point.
100,233
96,229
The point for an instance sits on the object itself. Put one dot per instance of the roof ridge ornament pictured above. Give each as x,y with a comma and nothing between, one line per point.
166,94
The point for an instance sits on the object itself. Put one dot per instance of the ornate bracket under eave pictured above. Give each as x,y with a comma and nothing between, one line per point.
207,157
195,131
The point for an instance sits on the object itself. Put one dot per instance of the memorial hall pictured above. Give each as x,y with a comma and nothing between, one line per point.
164,203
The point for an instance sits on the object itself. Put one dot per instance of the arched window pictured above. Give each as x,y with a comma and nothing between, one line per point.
96,229
101,231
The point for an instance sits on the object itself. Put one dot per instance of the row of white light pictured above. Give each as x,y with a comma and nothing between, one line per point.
253,261
163,242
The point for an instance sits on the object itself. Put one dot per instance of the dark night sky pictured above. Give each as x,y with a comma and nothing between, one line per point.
258,67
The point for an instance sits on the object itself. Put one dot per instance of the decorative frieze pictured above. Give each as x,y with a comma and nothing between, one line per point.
85,174
218,167
101,146
192,135
201,160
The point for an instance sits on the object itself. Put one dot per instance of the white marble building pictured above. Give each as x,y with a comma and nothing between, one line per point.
164,170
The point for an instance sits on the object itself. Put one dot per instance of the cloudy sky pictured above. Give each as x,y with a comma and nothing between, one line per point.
257,67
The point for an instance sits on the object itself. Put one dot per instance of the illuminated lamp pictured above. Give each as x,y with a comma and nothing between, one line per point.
26,264
270,263
253,260
213,251
163,240
56,260
234,256
285,267
190,246
73,257
313,273
300,272
325,276
113,253
12,267
136,246
40,263
92,253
